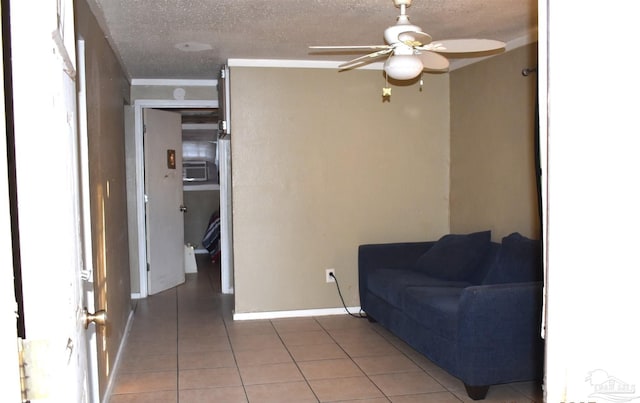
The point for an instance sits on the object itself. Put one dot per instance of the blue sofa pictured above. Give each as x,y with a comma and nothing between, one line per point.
470,305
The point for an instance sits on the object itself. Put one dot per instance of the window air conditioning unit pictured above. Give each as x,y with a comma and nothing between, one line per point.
197,171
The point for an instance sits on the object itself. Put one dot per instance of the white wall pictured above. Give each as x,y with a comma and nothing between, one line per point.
593,200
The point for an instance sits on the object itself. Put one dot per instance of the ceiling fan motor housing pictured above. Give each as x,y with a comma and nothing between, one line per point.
399,3
403,25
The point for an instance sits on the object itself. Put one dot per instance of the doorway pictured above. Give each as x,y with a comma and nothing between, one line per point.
138,216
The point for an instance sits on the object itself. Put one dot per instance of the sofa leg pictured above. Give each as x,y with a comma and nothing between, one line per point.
477,392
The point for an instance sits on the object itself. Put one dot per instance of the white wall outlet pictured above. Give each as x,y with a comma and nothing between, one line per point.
328,278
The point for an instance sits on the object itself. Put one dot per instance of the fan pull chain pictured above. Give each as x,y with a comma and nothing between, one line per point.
386,90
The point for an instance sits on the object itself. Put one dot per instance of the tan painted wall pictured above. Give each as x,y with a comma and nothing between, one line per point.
107,90
322,165
493,182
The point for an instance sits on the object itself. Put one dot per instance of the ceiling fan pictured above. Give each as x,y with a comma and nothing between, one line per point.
410,51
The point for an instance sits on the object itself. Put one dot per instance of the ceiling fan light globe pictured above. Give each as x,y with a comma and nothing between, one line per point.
403,67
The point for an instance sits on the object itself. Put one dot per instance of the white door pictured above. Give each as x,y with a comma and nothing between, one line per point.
163,194
48,198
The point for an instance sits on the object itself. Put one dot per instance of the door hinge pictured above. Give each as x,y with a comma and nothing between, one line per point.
24,395
223,73
148,267
222,126
144,129
35,379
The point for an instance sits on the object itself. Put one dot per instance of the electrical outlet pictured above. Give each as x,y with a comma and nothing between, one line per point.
328,278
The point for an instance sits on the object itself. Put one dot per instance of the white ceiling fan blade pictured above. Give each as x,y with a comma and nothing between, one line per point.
414,38
433,62
466,46
363,48
366,58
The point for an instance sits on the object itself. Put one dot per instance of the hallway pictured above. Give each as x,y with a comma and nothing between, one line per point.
184,347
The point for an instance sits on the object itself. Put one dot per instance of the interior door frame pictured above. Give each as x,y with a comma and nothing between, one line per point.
139,105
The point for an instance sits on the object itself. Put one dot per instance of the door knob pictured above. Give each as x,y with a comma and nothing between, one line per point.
99,318
183,208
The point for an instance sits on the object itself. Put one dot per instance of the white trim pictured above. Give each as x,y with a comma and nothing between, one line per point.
116,364
136,295
139,105
201,252
169,82
294,314
297,64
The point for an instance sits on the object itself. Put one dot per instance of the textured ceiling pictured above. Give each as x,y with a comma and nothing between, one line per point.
189,39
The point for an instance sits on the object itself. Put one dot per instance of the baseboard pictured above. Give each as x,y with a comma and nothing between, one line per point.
136,295
294,314
116,364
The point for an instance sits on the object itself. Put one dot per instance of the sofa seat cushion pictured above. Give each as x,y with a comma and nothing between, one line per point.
455,256
390,284
435,308
519,261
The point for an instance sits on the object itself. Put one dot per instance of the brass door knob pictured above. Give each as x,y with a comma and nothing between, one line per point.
99,318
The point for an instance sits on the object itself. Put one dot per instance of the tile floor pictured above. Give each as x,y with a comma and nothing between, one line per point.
184,347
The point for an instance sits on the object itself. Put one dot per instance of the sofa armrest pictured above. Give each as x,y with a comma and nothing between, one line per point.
387,256
499,332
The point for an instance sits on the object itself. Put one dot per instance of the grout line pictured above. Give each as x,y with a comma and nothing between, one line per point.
353,361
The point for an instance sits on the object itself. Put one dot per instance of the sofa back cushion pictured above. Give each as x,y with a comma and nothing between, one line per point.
519,260
455,256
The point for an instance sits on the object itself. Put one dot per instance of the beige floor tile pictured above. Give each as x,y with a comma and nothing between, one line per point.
206,359
532,390
214,330
445,379
336,389
262,357
203,343
161,362
306,338
386,364
436,397
151,346
327,369
343,322
150,397
317,352
271,373
232,394
255,341
356,335
369,348
208,378
406,383
298,392
296,325
250,327
496,394
184,344
146,331
138,382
